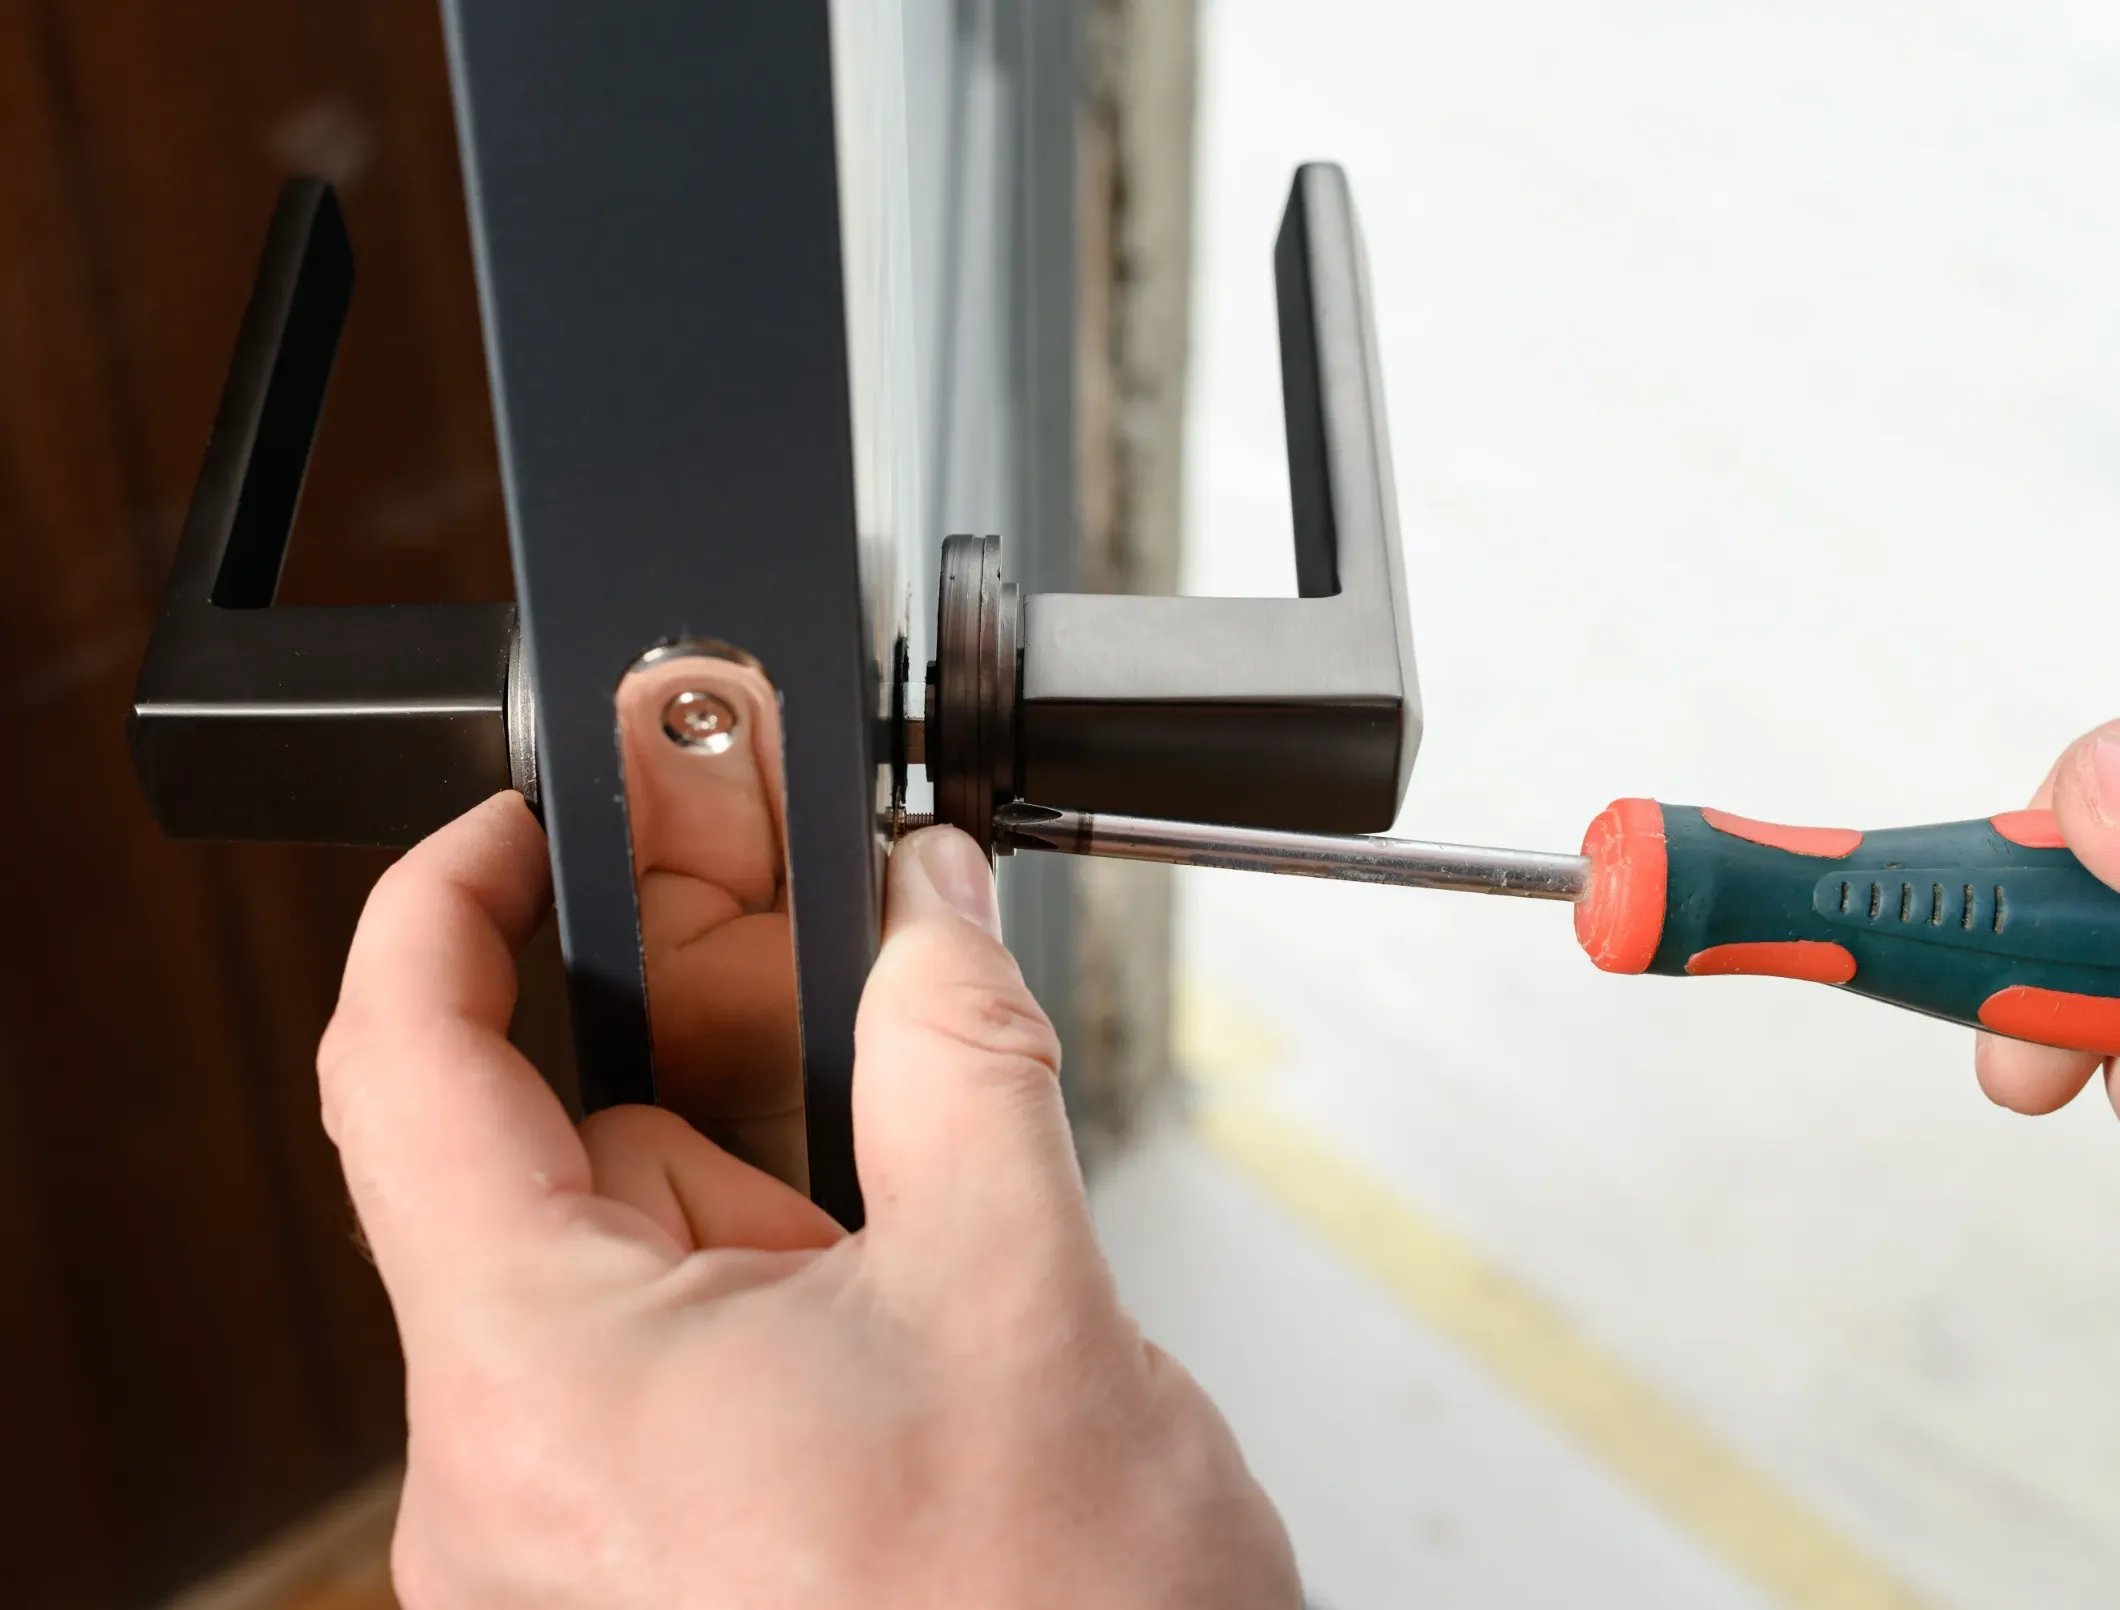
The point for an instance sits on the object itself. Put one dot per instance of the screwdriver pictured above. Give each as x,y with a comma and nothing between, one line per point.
1991,923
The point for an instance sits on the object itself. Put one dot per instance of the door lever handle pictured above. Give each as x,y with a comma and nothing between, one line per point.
1295,713
320,724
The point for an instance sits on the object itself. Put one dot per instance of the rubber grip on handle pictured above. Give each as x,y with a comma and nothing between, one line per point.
1991,923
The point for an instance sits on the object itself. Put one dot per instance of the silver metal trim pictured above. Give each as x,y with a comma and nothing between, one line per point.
1354,858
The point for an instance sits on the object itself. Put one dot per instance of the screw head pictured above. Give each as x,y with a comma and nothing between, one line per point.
698,720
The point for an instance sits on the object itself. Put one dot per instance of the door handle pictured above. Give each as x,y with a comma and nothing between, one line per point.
320,724
1299,713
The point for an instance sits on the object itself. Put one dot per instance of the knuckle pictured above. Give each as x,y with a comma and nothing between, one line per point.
400,883
414,894
339,1055
999,1024
963,988
413,1571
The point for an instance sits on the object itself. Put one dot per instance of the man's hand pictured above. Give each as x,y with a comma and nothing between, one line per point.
643,1373
2083,791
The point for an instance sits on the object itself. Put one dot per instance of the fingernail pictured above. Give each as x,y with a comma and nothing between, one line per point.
959,873
2102,774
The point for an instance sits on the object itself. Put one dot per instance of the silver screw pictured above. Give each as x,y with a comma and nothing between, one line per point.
898,821
696,719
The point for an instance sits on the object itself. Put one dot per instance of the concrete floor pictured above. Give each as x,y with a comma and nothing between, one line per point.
1755,380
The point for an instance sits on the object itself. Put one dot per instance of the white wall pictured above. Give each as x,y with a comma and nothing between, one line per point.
1755,378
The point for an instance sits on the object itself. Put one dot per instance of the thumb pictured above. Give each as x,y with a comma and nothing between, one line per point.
2087,800
962,1144
2083,792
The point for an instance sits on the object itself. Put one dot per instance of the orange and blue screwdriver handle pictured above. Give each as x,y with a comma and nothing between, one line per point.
1991,923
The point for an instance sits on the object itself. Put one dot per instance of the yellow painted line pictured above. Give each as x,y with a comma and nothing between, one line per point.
1671,1460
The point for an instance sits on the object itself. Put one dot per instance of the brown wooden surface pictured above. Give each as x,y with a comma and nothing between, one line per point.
336,1558
192,1350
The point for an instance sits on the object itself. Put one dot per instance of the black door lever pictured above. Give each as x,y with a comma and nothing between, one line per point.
319,724
1299,713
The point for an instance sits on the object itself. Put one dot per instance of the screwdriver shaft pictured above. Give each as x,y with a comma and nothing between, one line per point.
1353,858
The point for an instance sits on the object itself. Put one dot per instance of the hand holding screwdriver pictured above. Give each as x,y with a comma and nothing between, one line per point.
2083,792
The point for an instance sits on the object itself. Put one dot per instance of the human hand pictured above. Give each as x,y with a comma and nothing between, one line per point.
2083,792
640,1372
